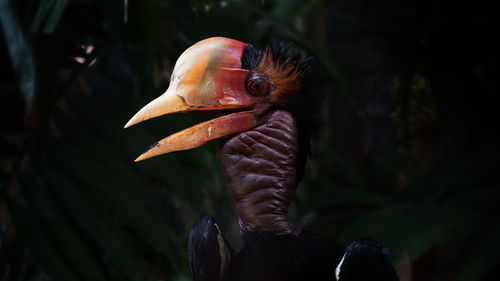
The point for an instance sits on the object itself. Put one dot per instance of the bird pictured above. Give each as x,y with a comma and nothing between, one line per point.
268,117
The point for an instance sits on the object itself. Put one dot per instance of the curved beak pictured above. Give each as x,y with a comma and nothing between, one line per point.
207,76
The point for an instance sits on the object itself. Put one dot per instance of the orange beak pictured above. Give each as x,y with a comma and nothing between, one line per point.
207,76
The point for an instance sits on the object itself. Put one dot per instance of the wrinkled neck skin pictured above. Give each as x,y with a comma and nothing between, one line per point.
259,166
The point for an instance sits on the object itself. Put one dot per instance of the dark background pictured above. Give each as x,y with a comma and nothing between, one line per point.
408,152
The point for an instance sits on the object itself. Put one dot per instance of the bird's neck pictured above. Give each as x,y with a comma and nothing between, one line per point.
266,210
259,166
279,225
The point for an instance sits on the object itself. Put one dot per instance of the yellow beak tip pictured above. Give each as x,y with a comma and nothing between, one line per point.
140,158
130,123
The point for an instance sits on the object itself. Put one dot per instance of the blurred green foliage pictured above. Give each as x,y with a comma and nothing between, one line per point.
408,153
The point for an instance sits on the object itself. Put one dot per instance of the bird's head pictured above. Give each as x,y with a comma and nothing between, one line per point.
237,79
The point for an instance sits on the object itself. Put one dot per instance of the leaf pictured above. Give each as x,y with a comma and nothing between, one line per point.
30,227
54,17
19,50
110,179
95,219
65,237
34,231
484,256
108,122
41,13
413,229
49,11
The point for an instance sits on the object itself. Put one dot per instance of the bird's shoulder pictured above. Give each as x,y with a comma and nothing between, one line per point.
306,256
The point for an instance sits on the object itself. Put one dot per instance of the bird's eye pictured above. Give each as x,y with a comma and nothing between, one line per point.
257,85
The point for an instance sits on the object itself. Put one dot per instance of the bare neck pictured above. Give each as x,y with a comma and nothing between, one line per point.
260,171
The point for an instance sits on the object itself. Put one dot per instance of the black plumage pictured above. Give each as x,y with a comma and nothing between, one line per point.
209,254
365,259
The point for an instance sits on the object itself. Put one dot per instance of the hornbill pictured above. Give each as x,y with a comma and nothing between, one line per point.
265,143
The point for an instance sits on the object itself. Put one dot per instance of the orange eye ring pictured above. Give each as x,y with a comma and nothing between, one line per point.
257,85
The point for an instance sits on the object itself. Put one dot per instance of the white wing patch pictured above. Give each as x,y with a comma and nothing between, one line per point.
225,256
337,270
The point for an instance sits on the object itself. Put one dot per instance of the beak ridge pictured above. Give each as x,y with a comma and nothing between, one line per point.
167,103
208,76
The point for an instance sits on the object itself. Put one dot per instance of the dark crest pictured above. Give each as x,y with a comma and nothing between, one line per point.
289,58
283,55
